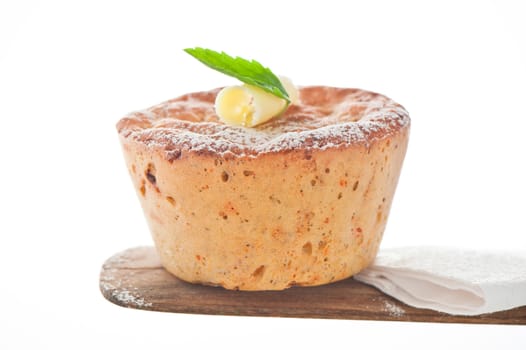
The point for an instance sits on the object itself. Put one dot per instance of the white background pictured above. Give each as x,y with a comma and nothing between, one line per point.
69,70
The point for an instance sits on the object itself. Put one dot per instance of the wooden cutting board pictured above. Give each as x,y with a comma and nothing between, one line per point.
135,279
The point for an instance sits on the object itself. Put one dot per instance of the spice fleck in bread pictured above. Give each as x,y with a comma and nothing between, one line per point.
302,199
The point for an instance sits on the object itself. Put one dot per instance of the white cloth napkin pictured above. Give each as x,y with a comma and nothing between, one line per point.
452,280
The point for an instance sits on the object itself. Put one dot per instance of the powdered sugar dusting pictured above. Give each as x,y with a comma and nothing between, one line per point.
118,289
124,295
128,297
324,118
392,309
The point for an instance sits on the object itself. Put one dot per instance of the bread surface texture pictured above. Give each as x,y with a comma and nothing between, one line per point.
300,200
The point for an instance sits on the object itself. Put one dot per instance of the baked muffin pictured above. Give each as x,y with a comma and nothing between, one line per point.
302,199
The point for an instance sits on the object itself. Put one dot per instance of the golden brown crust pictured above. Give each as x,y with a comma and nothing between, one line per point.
300,200
324,117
